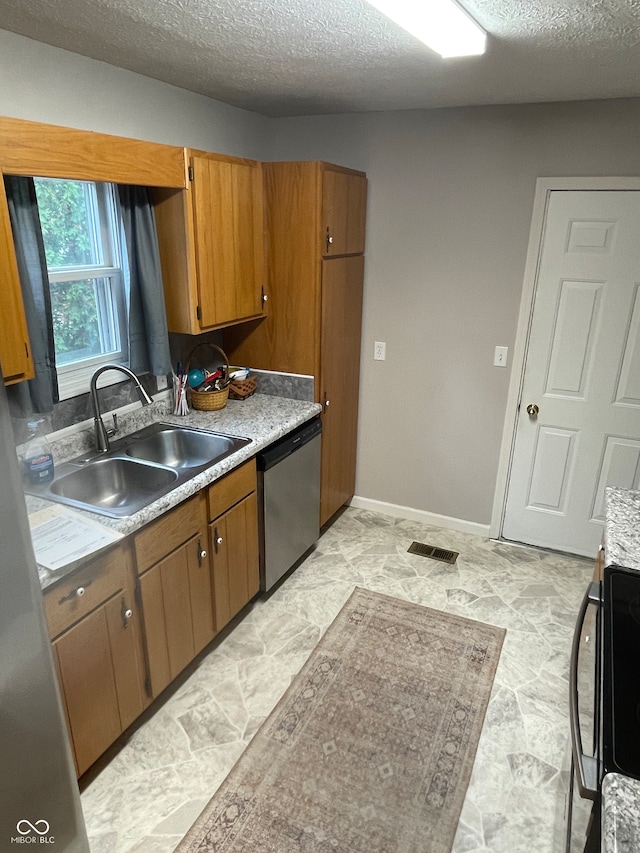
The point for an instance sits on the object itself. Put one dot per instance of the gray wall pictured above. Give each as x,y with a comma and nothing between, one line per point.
451,195
43,83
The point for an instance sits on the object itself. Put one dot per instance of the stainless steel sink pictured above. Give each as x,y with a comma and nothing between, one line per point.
181,447
138,469
114,485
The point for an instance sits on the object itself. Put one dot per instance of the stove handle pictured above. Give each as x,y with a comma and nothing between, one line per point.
586,765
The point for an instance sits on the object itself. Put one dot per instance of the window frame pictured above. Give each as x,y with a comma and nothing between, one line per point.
111,277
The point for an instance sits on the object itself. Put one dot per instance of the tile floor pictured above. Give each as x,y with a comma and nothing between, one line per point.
152,791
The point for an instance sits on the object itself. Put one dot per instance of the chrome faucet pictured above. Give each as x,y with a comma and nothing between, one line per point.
102,433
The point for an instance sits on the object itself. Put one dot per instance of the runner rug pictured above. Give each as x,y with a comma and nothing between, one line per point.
371,748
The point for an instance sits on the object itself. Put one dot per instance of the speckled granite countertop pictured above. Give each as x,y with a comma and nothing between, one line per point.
262,418
622,532
620,814
620,795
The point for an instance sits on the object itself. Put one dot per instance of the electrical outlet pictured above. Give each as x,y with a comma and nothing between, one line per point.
161,382
379,351
500,356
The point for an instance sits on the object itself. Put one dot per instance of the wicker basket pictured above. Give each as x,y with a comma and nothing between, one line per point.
209,401
240,389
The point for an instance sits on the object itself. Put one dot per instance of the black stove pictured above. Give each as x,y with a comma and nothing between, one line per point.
621,672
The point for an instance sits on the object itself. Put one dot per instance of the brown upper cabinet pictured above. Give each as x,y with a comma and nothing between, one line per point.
344,201
211,239
15,351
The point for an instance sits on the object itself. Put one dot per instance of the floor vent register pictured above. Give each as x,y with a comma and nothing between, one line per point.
441,554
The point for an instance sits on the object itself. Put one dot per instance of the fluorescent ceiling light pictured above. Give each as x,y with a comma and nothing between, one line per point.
441,24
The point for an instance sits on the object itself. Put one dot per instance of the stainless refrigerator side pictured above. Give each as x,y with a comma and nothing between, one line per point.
39,797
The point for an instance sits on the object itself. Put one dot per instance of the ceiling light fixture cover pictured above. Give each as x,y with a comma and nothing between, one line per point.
441,24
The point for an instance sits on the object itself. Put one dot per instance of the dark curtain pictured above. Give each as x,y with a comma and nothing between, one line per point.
38,394
148,337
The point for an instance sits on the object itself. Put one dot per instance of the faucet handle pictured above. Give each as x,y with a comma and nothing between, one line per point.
114,429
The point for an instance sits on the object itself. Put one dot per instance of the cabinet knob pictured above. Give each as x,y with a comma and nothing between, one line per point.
202,554
329,239
75,593
217,540
125,613
265,296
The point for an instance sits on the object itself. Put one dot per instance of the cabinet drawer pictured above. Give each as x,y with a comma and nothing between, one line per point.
236,485
86,589
161,537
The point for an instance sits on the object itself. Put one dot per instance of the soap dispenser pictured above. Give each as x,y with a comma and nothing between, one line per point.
37,462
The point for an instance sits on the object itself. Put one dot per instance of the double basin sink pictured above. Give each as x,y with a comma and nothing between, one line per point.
139,468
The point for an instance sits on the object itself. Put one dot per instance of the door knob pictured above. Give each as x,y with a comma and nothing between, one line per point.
532,410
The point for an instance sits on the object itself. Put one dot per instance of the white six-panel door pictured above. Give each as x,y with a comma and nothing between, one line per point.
582,374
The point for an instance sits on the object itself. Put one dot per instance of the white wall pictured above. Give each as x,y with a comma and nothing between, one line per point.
43,83
451,196
450,200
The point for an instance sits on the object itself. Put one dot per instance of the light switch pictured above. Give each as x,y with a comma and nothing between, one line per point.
500,356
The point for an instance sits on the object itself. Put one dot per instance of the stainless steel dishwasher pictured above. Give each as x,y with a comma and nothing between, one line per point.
289,488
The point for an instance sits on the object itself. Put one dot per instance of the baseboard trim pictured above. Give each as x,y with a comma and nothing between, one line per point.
457,524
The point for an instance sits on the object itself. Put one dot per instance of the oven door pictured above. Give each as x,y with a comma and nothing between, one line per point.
583,804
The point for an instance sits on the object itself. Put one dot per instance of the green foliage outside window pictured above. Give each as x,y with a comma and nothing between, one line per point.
67,215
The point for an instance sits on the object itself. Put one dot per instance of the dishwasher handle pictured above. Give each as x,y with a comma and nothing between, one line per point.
586,766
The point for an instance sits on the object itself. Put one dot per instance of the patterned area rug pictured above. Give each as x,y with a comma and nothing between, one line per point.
371,748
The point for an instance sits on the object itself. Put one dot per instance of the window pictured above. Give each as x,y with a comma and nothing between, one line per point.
81,230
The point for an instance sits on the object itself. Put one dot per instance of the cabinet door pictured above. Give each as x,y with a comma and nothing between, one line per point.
342,280
166,602
154,629
89,687
201,594
123,624
178,611
234,550
344,201
15,353
229,239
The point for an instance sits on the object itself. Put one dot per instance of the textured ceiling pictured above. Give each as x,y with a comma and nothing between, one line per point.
304,57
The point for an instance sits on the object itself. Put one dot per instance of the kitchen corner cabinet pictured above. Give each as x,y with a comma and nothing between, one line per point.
175,586
233,536
211,241
315,215
15,352
95,626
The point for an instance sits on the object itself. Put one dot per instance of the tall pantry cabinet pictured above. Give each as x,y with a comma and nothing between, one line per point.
315,215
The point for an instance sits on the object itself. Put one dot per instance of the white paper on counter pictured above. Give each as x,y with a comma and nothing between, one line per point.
61,536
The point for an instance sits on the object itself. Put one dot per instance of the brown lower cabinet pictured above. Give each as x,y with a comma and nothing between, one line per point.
191,570
97,648
233,536
235,559
175,589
